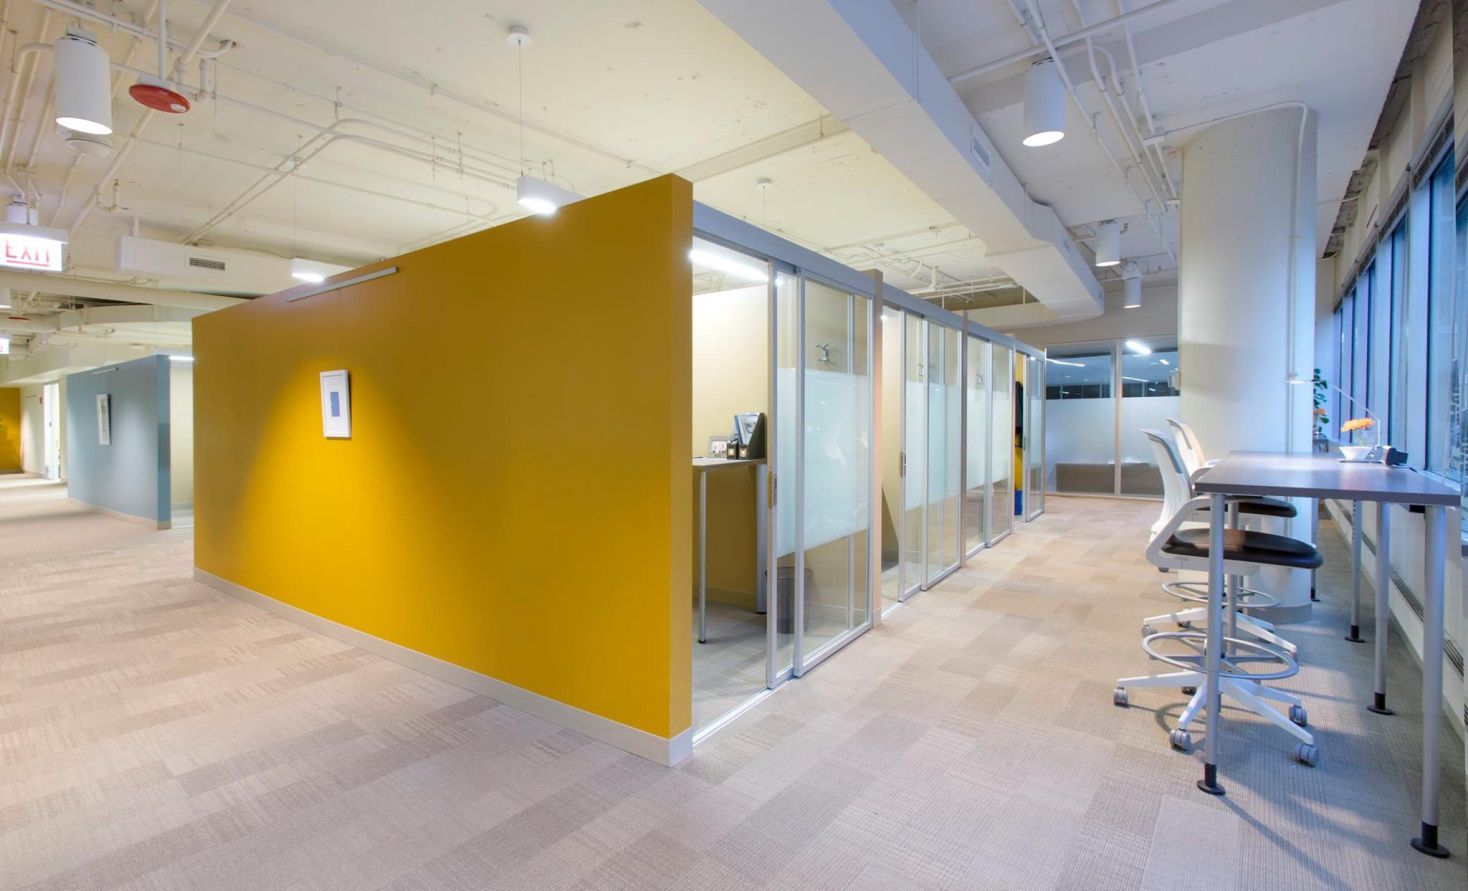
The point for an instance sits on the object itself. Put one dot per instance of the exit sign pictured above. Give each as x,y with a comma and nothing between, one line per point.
30,252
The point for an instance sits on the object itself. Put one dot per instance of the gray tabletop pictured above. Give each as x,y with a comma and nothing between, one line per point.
1320,476
706,463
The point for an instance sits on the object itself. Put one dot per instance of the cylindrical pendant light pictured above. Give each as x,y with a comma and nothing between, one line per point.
1044,104
1107,243
1131,280
83,84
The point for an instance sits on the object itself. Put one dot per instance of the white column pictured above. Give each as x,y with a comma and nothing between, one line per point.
1246,296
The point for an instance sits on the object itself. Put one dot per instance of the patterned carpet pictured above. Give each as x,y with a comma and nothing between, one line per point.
157,734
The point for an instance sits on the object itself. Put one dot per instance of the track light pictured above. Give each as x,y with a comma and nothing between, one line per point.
1131,279
1044,104
83,84
541,197
1107,243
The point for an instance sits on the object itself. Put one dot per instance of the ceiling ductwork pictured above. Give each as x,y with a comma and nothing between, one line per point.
864,64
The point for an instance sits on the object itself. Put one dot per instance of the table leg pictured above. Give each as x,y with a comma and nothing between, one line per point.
1383,604
703,557
1214,648
1356,518
1435,556
1235,582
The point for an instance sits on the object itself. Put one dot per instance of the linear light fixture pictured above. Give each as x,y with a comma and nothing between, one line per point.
1060,362
179,357
1136,346
738,269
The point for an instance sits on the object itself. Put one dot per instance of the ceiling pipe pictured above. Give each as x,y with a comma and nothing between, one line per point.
1038,28
184,59
92,289
1062,40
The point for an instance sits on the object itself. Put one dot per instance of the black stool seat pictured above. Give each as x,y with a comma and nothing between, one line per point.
1247,547
1263,507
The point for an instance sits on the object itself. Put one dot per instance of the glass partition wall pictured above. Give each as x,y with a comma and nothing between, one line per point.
977,410
1001,443
1098,399
922,462
1032,443
794,545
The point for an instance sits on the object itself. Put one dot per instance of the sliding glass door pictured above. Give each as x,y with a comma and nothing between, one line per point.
944,443
1034,436
1001,442
977,413
834,393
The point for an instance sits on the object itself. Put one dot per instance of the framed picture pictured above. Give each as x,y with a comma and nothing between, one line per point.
336,405
718,447
104,419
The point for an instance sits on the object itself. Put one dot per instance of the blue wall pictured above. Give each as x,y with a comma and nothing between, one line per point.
130,476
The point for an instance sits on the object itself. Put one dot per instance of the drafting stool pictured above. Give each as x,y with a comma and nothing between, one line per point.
1177,489
1245,664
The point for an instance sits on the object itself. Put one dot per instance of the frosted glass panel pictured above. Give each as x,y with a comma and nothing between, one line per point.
893,505
976,392
837,429
943,449
1148,400
1001,438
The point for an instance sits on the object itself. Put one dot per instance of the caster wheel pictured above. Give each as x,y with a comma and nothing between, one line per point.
1181,740
1189,691
1118,697
1307,755
1148,631
1297,714
1186,626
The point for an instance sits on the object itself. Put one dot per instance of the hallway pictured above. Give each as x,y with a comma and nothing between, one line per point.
156,733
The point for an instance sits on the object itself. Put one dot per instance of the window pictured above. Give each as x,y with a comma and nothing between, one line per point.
1445,320
1396,361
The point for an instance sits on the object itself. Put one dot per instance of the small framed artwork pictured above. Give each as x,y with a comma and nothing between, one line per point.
718,447
104,419
336,405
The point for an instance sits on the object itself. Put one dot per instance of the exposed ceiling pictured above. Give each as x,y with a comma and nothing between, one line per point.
348,137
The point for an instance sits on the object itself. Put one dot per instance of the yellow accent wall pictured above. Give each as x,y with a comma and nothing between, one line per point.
9,429
515,497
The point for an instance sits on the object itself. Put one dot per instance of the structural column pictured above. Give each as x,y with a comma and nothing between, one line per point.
1246,298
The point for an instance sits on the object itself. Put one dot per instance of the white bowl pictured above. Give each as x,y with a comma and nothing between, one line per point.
1354,452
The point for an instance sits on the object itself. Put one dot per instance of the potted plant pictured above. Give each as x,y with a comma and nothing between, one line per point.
1320,386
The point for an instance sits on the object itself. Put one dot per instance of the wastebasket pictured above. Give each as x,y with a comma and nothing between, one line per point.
785,597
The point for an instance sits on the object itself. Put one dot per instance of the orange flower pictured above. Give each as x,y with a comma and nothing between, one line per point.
1358,424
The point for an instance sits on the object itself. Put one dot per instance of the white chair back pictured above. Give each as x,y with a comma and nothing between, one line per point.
1177,486
1195,445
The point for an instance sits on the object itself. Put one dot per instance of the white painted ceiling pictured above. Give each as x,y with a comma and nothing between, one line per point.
426,98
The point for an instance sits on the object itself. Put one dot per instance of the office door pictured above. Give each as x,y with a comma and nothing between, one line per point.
834,429
943,452
1034,437
51,421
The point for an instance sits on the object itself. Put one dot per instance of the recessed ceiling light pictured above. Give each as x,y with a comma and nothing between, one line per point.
1138,347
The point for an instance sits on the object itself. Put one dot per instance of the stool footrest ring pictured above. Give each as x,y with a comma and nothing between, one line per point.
1237,652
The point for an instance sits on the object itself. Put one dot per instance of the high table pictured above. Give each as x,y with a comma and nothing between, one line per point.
703,466
1326,476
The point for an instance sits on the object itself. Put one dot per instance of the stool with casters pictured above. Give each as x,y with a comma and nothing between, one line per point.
1177,488
1247,665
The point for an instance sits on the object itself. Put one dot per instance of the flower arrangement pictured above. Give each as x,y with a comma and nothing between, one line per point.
1356,424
